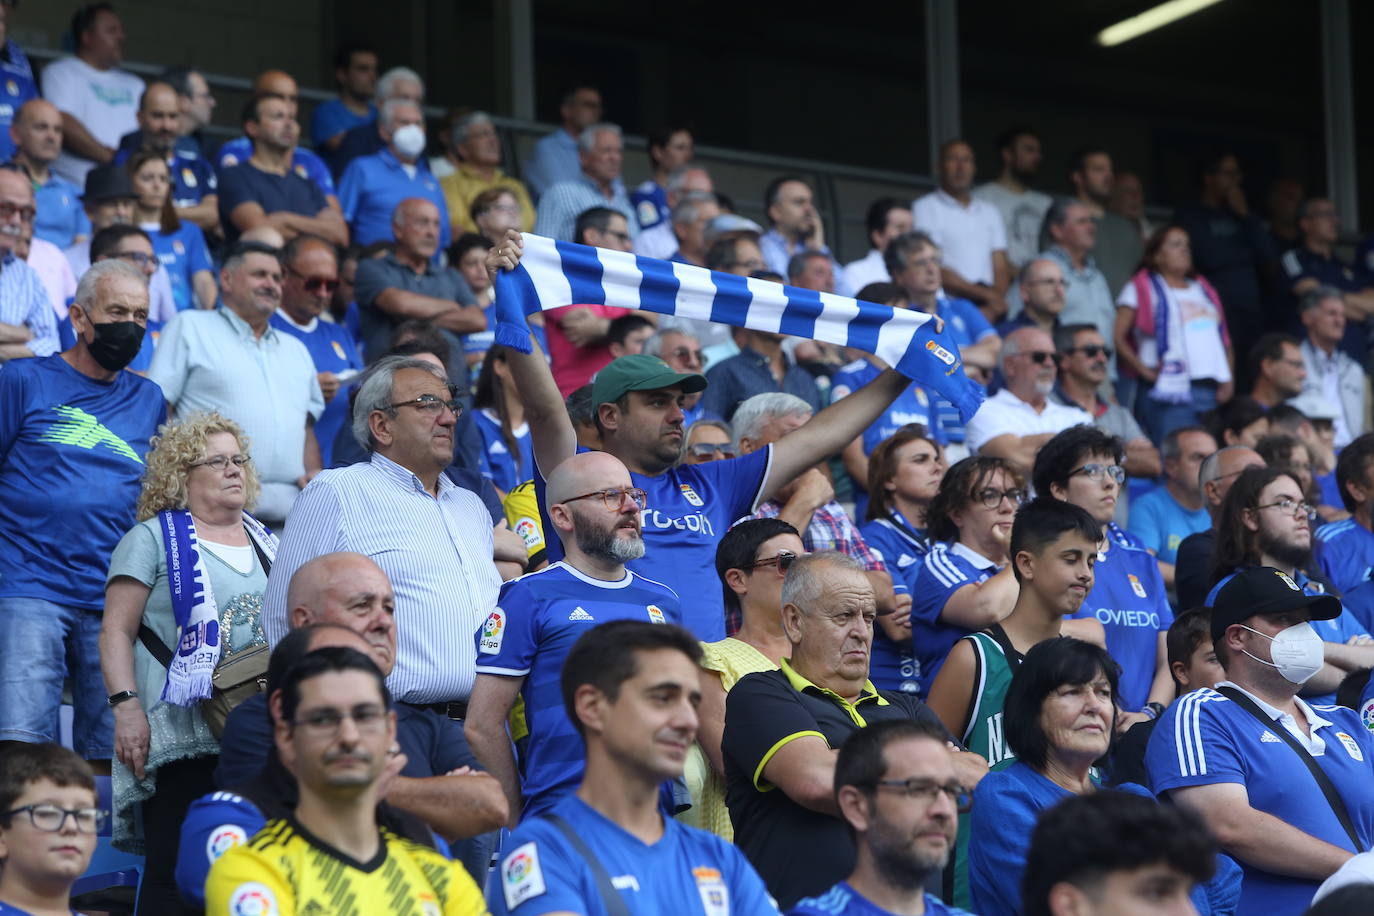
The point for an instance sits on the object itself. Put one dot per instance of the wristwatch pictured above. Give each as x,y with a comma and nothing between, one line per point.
1153,710
115,699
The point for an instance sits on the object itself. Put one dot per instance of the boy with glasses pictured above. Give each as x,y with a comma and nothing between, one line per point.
335,732
1082,465
595,511
48,824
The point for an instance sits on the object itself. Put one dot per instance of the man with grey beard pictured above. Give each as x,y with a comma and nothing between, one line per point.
595,511
1016,421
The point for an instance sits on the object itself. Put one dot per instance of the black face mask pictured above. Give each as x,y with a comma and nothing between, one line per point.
116,344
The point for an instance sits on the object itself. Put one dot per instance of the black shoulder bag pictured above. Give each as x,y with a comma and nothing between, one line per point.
1333,798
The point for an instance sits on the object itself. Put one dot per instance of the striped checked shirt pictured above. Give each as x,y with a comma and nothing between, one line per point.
24,302
437,553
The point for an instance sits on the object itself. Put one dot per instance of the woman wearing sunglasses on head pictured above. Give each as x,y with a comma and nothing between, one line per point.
965,583
752,561
1172,337
708,440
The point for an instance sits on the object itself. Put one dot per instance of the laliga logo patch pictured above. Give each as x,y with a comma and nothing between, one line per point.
690,495
253,899
521,877
493,631
528,529
1351,747
715,898
1367,713
1287,581
224,838
655,614
1136,586
429,905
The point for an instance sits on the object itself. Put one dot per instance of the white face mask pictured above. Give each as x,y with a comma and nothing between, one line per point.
409,140
1296,652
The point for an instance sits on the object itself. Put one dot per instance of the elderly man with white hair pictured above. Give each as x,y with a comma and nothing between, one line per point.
431,537
73,438
398,83
478,147
601,153
373,185
807,503
661,241
677,346
1016,421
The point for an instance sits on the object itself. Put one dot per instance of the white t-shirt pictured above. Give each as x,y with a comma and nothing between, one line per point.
967,236
1022,214
104,101
1193,319
868,269
1005,413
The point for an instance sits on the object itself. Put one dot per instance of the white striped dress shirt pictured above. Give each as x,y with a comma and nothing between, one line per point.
437,553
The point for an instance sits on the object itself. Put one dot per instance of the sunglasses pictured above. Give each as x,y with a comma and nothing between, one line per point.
783,561
1039,357
1091,351
315,284
707,449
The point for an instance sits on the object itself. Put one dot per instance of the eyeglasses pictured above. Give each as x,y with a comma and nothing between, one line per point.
324,723
683,353
220,462
925,262
1287,504
707,449
783,561
315,284
1094,471
137,257
9,210
430,405
925,791
615,498
1039,357
621,237
51,819
991,497
1059,281
1091,351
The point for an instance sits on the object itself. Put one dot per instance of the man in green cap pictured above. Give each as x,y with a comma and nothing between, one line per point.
689,507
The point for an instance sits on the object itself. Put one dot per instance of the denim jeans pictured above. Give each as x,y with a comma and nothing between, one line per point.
1159,417
41,645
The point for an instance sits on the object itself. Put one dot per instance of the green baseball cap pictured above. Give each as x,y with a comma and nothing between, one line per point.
640,372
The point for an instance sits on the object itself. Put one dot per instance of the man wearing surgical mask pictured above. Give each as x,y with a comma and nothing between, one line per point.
74,432
1244,754
373,185
1265,521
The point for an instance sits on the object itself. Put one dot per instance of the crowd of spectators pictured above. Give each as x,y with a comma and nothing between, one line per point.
356,610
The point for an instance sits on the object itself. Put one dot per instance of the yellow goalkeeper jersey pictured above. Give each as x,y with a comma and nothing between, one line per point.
285,871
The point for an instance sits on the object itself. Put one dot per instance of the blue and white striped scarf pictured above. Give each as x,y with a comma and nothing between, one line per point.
553,274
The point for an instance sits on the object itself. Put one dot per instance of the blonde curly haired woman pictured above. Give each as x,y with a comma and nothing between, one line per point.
190,575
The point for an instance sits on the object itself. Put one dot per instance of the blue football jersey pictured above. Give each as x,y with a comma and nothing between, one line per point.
537,619
1346,553
687,872
1130,601
505,468
893,664
332,349
943,571
1204,739
184,254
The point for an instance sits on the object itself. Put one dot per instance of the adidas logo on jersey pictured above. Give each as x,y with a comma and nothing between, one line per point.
579,614
1269,738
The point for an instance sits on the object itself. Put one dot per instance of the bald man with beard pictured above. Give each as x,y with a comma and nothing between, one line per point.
595,511
438,781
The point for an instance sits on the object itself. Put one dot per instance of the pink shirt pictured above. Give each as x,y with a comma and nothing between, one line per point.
48,261
573,366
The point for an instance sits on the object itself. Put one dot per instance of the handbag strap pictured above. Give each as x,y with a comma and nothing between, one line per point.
610,897
155,646
1333,798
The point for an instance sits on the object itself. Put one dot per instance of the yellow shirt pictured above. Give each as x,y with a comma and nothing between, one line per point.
522,514
462,187
732,659
283,871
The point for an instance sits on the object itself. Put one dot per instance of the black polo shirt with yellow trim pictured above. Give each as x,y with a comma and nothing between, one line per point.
798,852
